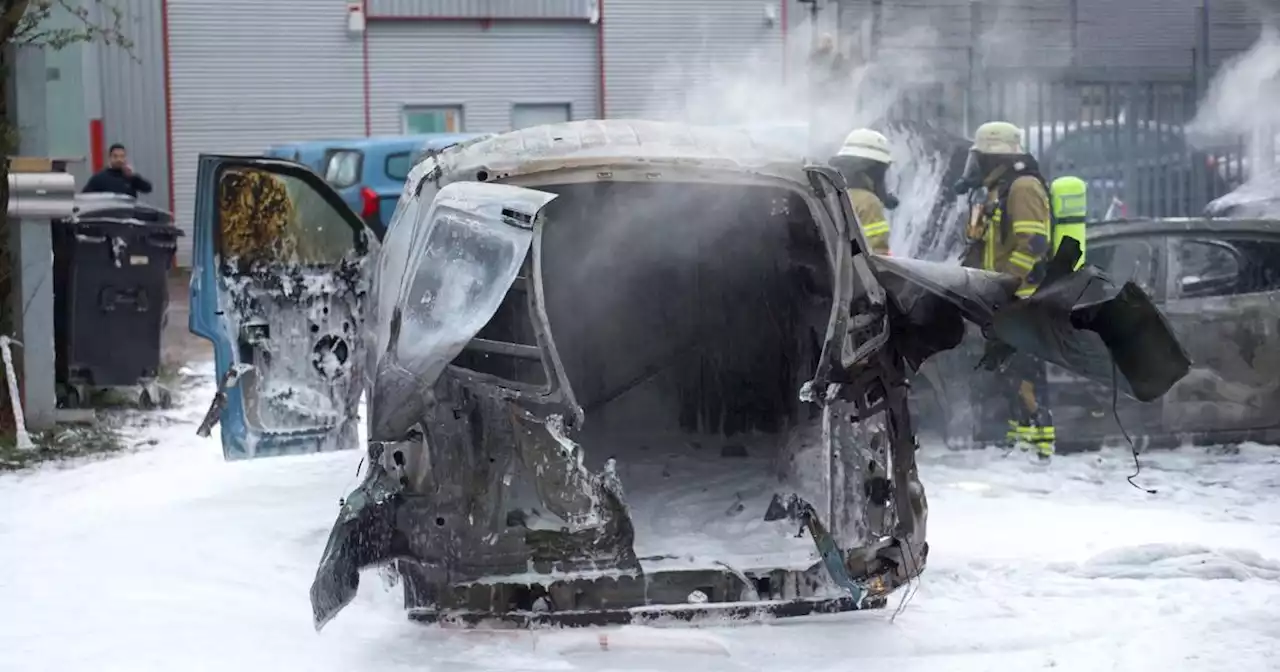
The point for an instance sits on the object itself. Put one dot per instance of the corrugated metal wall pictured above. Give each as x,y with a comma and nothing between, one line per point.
483,67
661,53
1151,35
1032,34
1117,39
245,74
935,32
1233,27
1024,33
132,92
489,9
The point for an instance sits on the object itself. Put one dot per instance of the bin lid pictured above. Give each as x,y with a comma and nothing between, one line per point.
117,206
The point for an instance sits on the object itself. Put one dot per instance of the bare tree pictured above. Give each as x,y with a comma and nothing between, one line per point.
28,24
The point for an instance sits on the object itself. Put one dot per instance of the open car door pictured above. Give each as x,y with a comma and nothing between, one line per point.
279,287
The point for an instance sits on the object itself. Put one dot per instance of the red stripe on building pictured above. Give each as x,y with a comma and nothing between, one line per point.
97,146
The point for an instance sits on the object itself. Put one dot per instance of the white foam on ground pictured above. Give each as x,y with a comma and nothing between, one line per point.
168,558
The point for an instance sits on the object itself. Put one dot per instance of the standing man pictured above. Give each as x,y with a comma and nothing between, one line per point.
863,160
1010,233
118,177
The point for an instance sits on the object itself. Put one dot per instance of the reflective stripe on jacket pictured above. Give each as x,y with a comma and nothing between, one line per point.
870,212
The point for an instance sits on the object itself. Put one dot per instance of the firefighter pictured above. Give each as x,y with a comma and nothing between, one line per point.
863,160
1010,232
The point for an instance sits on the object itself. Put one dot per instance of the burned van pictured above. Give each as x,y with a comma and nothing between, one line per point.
614,371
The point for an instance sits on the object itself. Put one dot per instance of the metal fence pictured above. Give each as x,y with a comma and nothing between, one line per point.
1108,109
1127,140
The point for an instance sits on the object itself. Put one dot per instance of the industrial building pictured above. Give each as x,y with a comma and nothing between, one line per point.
235,76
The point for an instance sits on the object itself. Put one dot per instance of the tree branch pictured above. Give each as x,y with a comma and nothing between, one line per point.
32,29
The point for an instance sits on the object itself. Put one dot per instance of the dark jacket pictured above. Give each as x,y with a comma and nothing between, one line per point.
114,181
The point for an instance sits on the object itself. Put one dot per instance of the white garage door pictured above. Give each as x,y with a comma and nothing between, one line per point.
245,74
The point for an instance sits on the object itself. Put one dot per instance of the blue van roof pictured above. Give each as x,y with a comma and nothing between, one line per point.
394,142
423,141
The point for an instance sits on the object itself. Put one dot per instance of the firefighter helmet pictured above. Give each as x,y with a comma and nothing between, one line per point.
864,143
997,137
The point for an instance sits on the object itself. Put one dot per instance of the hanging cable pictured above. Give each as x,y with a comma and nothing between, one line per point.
913,585
1133,448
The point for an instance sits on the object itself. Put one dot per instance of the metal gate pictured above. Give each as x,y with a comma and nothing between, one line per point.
1127,140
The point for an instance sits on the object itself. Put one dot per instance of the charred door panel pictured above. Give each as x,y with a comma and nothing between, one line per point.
280,289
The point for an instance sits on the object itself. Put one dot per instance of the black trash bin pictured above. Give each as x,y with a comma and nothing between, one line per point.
111,261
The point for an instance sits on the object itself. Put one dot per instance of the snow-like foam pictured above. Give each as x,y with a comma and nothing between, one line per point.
1178,561
168,558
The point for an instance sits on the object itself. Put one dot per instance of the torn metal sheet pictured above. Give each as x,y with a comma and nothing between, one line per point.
1216,283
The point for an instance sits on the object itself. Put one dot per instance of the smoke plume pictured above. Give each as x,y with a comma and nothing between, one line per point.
1242,104
807,106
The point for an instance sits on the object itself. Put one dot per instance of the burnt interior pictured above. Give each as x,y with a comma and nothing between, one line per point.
684,307
716,294
686,316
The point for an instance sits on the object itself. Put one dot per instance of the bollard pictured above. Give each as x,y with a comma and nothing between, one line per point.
36,199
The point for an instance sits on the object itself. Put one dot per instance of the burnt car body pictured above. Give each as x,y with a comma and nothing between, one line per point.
562,317
1256,198
1217,281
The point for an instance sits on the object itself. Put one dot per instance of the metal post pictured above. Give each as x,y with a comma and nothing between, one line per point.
877,24
1200,181
971,95
35,200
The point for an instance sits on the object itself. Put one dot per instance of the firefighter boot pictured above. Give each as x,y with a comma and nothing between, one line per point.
1023,435
1045,434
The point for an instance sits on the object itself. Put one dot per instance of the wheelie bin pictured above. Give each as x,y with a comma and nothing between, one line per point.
111,260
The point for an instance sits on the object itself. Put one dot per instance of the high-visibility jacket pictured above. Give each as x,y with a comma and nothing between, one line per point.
870,211
1018,228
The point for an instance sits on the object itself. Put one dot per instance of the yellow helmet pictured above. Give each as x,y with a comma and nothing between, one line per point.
997,137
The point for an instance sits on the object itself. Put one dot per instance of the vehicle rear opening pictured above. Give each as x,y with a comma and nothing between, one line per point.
687,317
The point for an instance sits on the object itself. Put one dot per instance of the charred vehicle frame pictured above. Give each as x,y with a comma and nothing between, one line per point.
611,285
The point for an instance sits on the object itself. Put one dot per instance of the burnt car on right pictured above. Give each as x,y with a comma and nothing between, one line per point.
1217,281
1217,284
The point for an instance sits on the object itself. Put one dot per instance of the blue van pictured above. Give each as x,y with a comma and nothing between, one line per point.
311,154
369,173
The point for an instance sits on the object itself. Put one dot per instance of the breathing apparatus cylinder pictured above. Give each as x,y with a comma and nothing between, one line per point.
1069,196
